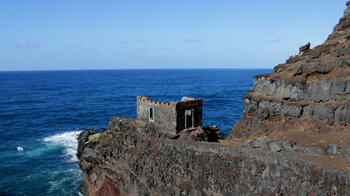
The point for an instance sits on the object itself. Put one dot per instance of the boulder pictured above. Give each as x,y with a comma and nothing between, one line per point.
331,149
260,142
289,145
305,47
275,146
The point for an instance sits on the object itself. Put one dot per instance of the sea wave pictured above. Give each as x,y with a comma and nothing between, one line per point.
20,149
68,140
64,181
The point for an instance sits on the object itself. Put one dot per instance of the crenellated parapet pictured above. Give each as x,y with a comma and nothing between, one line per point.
145,99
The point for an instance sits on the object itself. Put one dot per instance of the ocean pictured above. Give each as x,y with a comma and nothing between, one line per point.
42,112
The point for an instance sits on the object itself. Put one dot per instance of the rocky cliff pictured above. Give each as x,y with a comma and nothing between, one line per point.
133,158
293,138
306,99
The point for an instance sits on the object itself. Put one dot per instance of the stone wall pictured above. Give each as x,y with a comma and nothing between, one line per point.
164,113
169,116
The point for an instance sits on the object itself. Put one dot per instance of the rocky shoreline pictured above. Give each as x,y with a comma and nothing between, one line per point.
293,138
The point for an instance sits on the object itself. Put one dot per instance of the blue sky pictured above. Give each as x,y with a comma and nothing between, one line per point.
128,34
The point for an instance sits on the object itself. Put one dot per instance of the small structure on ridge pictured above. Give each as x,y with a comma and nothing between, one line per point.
172,116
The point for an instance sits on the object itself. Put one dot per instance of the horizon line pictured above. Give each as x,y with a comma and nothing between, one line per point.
129,69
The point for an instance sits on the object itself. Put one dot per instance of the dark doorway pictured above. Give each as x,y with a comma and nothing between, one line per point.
189,119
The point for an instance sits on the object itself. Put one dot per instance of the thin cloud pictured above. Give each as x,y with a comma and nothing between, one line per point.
72,46
92,51
140,41
273,39
192,40
61,52
29,44
142,50
123,42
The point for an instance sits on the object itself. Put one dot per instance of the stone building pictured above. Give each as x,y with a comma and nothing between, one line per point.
171,116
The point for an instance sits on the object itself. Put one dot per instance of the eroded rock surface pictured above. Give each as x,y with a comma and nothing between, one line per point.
307,95
122,161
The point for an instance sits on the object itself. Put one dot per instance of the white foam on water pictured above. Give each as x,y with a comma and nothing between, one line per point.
70,176
20,149
68,140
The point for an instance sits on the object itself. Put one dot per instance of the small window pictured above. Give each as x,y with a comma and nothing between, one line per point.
151,114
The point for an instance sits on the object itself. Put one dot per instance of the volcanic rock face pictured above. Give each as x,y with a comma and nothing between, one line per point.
132,159
309,93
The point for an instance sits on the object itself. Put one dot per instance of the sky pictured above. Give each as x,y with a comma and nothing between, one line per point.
143,34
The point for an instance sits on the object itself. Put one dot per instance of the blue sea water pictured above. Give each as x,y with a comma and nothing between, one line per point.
41,113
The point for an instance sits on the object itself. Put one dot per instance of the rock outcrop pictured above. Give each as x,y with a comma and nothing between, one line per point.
306,99
131,158
293,138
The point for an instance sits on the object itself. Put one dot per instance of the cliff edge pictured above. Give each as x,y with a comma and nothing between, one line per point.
135,158
306,99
